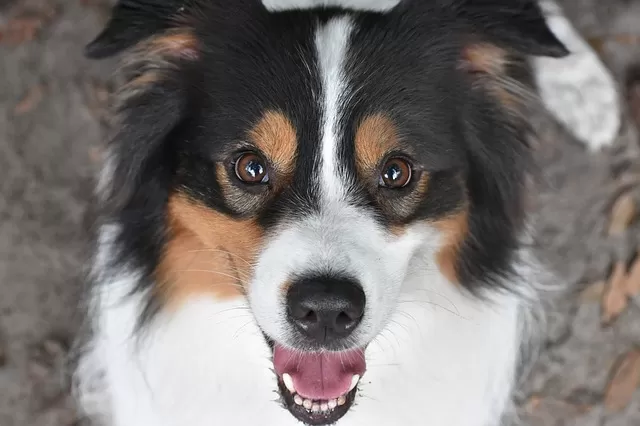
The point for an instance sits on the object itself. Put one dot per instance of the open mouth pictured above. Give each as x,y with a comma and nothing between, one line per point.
318,388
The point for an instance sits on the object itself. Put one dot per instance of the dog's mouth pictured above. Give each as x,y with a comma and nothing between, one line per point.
318,388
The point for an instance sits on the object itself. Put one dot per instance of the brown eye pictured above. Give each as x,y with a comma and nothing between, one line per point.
251,169
396,173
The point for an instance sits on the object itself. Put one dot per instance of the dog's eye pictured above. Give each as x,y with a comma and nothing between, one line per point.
396,173
251,168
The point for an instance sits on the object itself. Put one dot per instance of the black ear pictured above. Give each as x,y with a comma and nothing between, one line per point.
151,102
133,21
517,25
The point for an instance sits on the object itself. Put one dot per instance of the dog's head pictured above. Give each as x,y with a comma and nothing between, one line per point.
310,159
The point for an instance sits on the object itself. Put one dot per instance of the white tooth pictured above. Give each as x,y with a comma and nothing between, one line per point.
332,403
315,408
297,399
341,400
288,382
307,404
354,381
324,406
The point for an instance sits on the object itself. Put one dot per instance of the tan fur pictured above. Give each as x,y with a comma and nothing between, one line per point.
207,253
485,58
375,137
284,288
491,63
176,43
275,136
151,60
139,85
454,229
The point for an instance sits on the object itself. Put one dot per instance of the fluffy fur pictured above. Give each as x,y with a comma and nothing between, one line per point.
192,265
579,90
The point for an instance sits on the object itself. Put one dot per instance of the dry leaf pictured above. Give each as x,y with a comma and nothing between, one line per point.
627,39
633,279
622,214
97,99
597,43
30,100
53,348
614,298
95,154
25,26
38,371
533,403
593,293
624,382
22,30
543,408
583,399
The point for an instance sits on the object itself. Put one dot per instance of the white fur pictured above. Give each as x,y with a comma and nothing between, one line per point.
443,358
372,5
578,89
106,175
341,241
331,45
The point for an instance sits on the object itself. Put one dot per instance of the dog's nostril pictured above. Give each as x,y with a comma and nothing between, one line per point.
310,317
345,321
325,308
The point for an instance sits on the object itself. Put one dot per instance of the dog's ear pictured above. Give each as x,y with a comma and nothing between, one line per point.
133,21
516,25
152,96
498,36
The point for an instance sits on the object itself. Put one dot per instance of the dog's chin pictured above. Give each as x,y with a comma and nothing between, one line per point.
318,388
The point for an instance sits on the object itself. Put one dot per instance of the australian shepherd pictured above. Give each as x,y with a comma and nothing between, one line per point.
314,212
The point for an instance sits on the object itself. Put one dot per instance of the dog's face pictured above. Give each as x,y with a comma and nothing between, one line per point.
311,160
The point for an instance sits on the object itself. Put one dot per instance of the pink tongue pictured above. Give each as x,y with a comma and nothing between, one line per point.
322,376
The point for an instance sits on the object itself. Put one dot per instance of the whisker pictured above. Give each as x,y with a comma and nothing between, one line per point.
430,303
213,250
211,271
230,318
239,272
427,290
237,333
404,327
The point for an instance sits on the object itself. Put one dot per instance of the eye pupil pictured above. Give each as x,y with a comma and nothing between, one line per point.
250,168
254,169
396,173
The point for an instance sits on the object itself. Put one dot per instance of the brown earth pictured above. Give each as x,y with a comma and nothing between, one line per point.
52,102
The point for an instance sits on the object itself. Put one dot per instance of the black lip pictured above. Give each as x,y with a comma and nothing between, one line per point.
315,419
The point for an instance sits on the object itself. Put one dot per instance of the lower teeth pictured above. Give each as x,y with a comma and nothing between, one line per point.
318,406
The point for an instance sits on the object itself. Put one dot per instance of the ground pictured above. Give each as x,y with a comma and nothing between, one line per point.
52,102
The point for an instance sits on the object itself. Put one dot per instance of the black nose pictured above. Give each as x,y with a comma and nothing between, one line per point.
325,309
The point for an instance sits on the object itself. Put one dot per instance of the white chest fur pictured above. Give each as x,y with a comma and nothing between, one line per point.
445,359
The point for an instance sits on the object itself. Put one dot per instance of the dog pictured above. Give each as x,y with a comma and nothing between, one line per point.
314,212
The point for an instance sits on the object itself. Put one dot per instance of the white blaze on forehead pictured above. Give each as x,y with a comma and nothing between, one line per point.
331,43
372,5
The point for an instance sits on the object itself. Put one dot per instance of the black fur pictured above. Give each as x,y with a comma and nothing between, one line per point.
404,64
132,21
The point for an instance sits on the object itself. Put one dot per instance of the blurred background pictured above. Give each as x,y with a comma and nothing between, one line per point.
52,115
